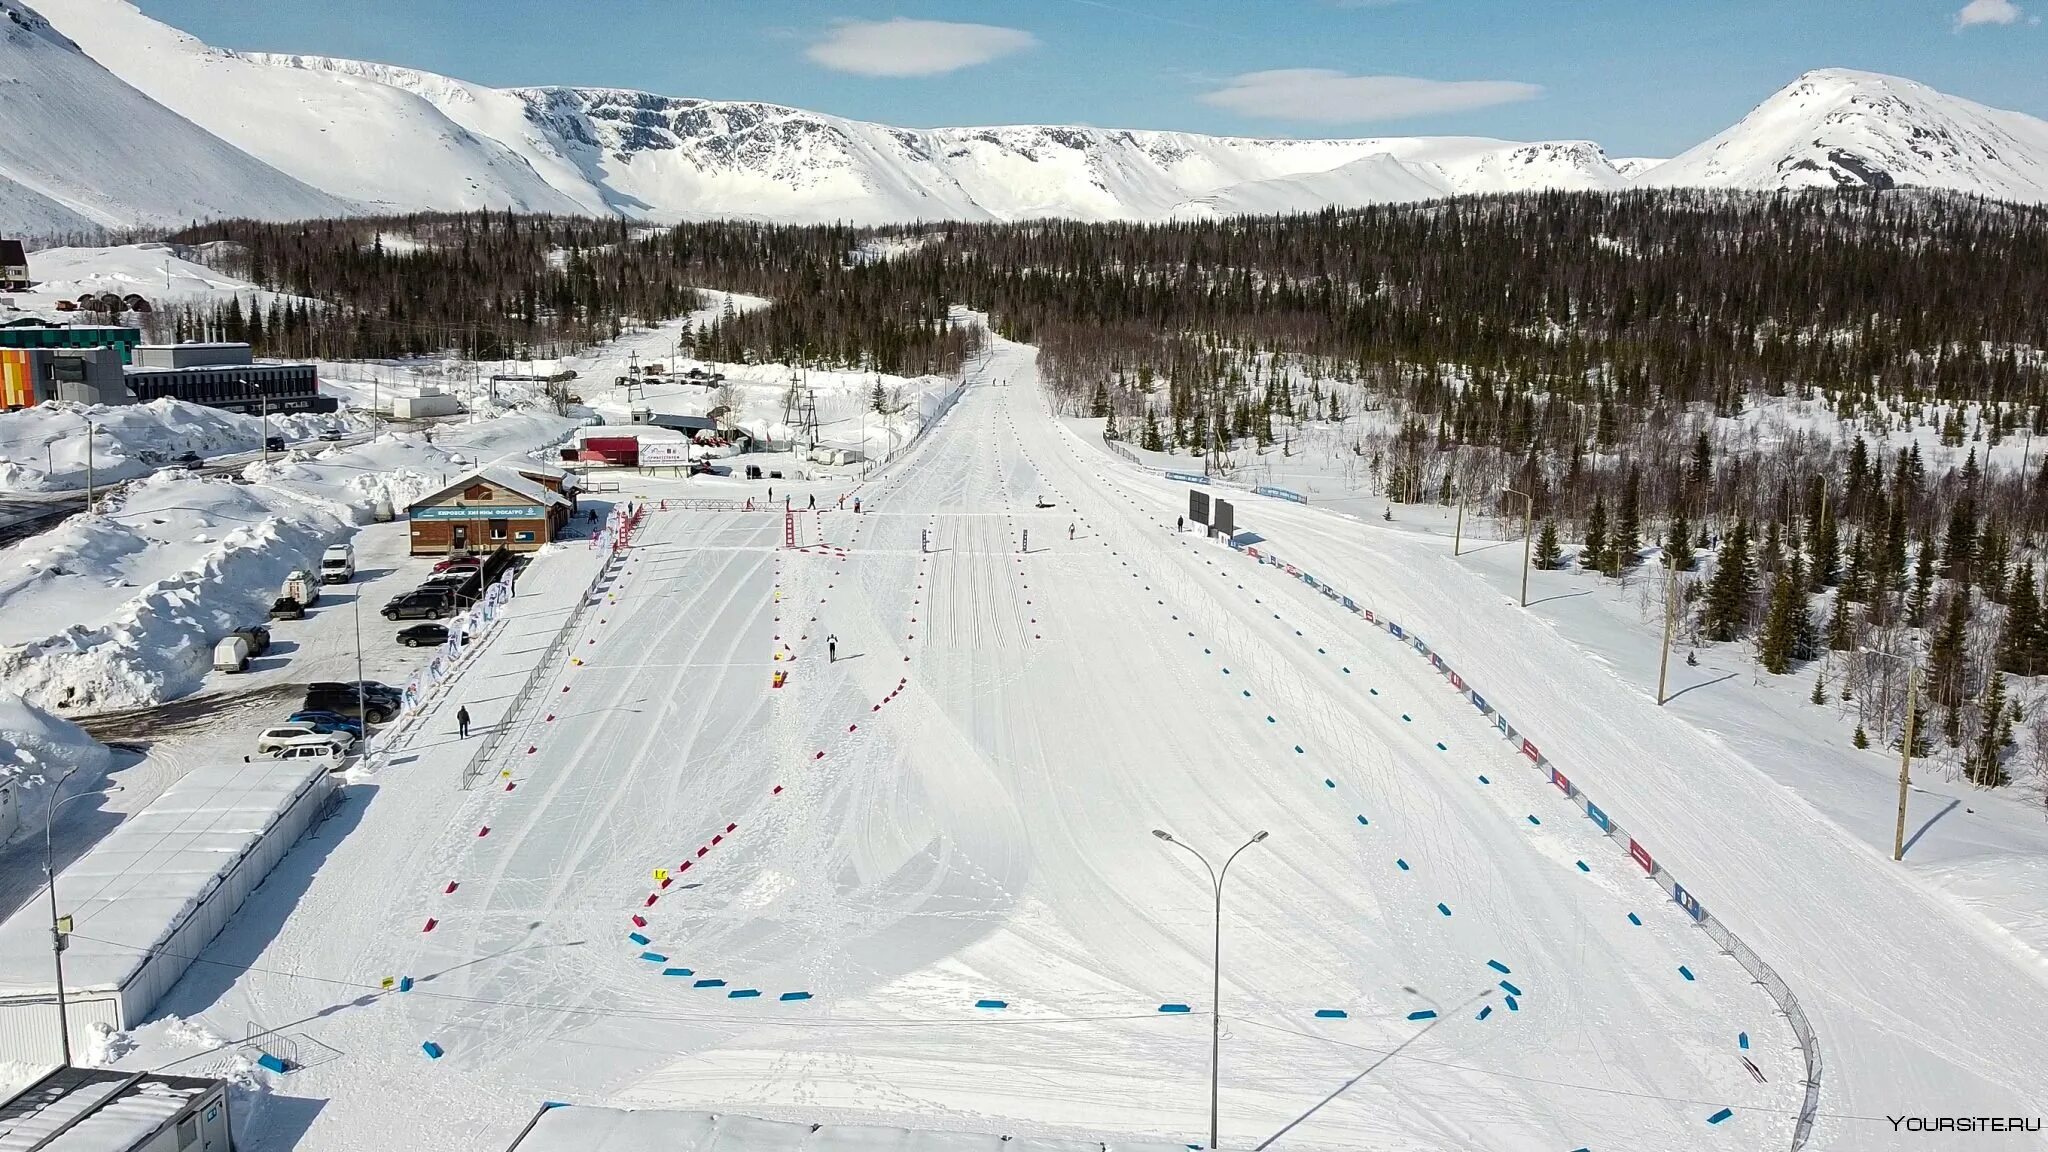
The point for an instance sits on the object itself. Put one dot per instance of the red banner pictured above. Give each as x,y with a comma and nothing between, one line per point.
1642,855
1532,752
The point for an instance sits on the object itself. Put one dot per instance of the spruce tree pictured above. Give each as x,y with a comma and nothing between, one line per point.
1945,660
1840,625
1777,645
1733,584
1547,551
1627,526
1826,552
1820,689
1985,767
1596,537
1098,406
1678,542
2019,640
1859,739
1923,588
1150,439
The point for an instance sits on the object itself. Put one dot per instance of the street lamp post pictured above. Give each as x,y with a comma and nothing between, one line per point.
1528,522
58,930
1216,966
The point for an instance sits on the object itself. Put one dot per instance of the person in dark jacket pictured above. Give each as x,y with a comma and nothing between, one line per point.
462,721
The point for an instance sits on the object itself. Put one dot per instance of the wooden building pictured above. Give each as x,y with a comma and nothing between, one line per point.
502,505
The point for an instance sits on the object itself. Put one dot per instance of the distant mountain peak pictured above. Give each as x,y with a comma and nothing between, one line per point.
392,138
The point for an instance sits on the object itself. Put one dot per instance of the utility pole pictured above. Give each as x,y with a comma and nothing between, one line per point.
88,467
1670,612
1528,521
263,415
1216,968
1458,534
362,703
1906,760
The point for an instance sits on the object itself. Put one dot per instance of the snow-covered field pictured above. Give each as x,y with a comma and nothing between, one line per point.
159,273
917,886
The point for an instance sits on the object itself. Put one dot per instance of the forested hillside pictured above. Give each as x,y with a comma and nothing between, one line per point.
1667,374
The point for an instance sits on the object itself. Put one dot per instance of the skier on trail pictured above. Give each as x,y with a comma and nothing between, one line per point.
856,505
832,648
1180,523
1070,531
462,722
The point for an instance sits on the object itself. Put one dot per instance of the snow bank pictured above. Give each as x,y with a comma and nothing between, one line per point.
568,1128
45,446
35,748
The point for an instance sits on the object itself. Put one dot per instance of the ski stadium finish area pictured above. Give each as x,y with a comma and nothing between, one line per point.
918,885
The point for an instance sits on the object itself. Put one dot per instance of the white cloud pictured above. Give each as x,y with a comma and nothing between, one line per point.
1330,97
1988,12
903,47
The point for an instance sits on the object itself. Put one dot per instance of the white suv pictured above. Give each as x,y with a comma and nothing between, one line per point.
282,736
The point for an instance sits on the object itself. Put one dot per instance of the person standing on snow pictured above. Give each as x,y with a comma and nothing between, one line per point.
814,502
1070,531
832,648
1180,523
462,722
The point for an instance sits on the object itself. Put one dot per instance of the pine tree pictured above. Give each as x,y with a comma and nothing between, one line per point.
1547,551
2020,645
1923,587
1840,625
1098,407
1959,550
1820,689
1596,537
1702,472
1826,552
1985,768
1733,584
1859,739
1678,542
1945,667
1627,527
1778,644
1150,439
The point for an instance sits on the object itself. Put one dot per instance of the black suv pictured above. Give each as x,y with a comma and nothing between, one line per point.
417,606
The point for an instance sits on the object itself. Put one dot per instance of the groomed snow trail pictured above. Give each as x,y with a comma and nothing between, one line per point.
921,887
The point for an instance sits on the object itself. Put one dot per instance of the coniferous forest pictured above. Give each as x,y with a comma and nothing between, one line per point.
1609,354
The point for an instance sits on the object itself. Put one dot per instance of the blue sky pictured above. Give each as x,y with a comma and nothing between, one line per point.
1641,77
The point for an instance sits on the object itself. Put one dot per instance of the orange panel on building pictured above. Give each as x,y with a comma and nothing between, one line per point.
17,378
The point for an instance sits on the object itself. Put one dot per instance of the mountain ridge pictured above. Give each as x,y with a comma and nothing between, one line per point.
390,138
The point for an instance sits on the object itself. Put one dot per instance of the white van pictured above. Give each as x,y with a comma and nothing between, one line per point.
338,564
231,654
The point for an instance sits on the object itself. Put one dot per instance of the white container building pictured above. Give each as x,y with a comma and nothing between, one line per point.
148,898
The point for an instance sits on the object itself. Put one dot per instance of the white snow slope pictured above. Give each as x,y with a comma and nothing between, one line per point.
81,148
406,139
958,811
1837,128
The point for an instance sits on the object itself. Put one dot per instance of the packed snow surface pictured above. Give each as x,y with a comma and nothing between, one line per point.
917,887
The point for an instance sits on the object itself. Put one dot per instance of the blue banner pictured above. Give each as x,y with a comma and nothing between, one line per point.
1187,478
1594,814
1281,494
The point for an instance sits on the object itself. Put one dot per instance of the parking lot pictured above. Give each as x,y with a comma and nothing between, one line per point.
159,745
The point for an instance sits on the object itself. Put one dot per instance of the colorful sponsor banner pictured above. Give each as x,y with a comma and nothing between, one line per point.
1641,855
1187,477
482,512
1594,814
1686,901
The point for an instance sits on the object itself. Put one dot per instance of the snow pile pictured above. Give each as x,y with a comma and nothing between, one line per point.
202,557
46,445
32,740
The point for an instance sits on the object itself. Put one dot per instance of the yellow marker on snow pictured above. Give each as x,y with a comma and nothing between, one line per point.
388,982
660,874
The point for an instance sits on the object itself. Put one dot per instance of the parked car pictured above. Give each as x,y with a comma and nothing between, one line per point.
320,749
274,444
372,690
258,637
454,562
417,606
191,460
330,433
278,736
286,608
326,721
423,635
348,705
231,654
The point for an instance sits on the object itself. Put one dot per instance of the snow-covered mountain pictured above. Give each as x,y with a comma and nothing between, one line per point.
1837,128
80,148
396,138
